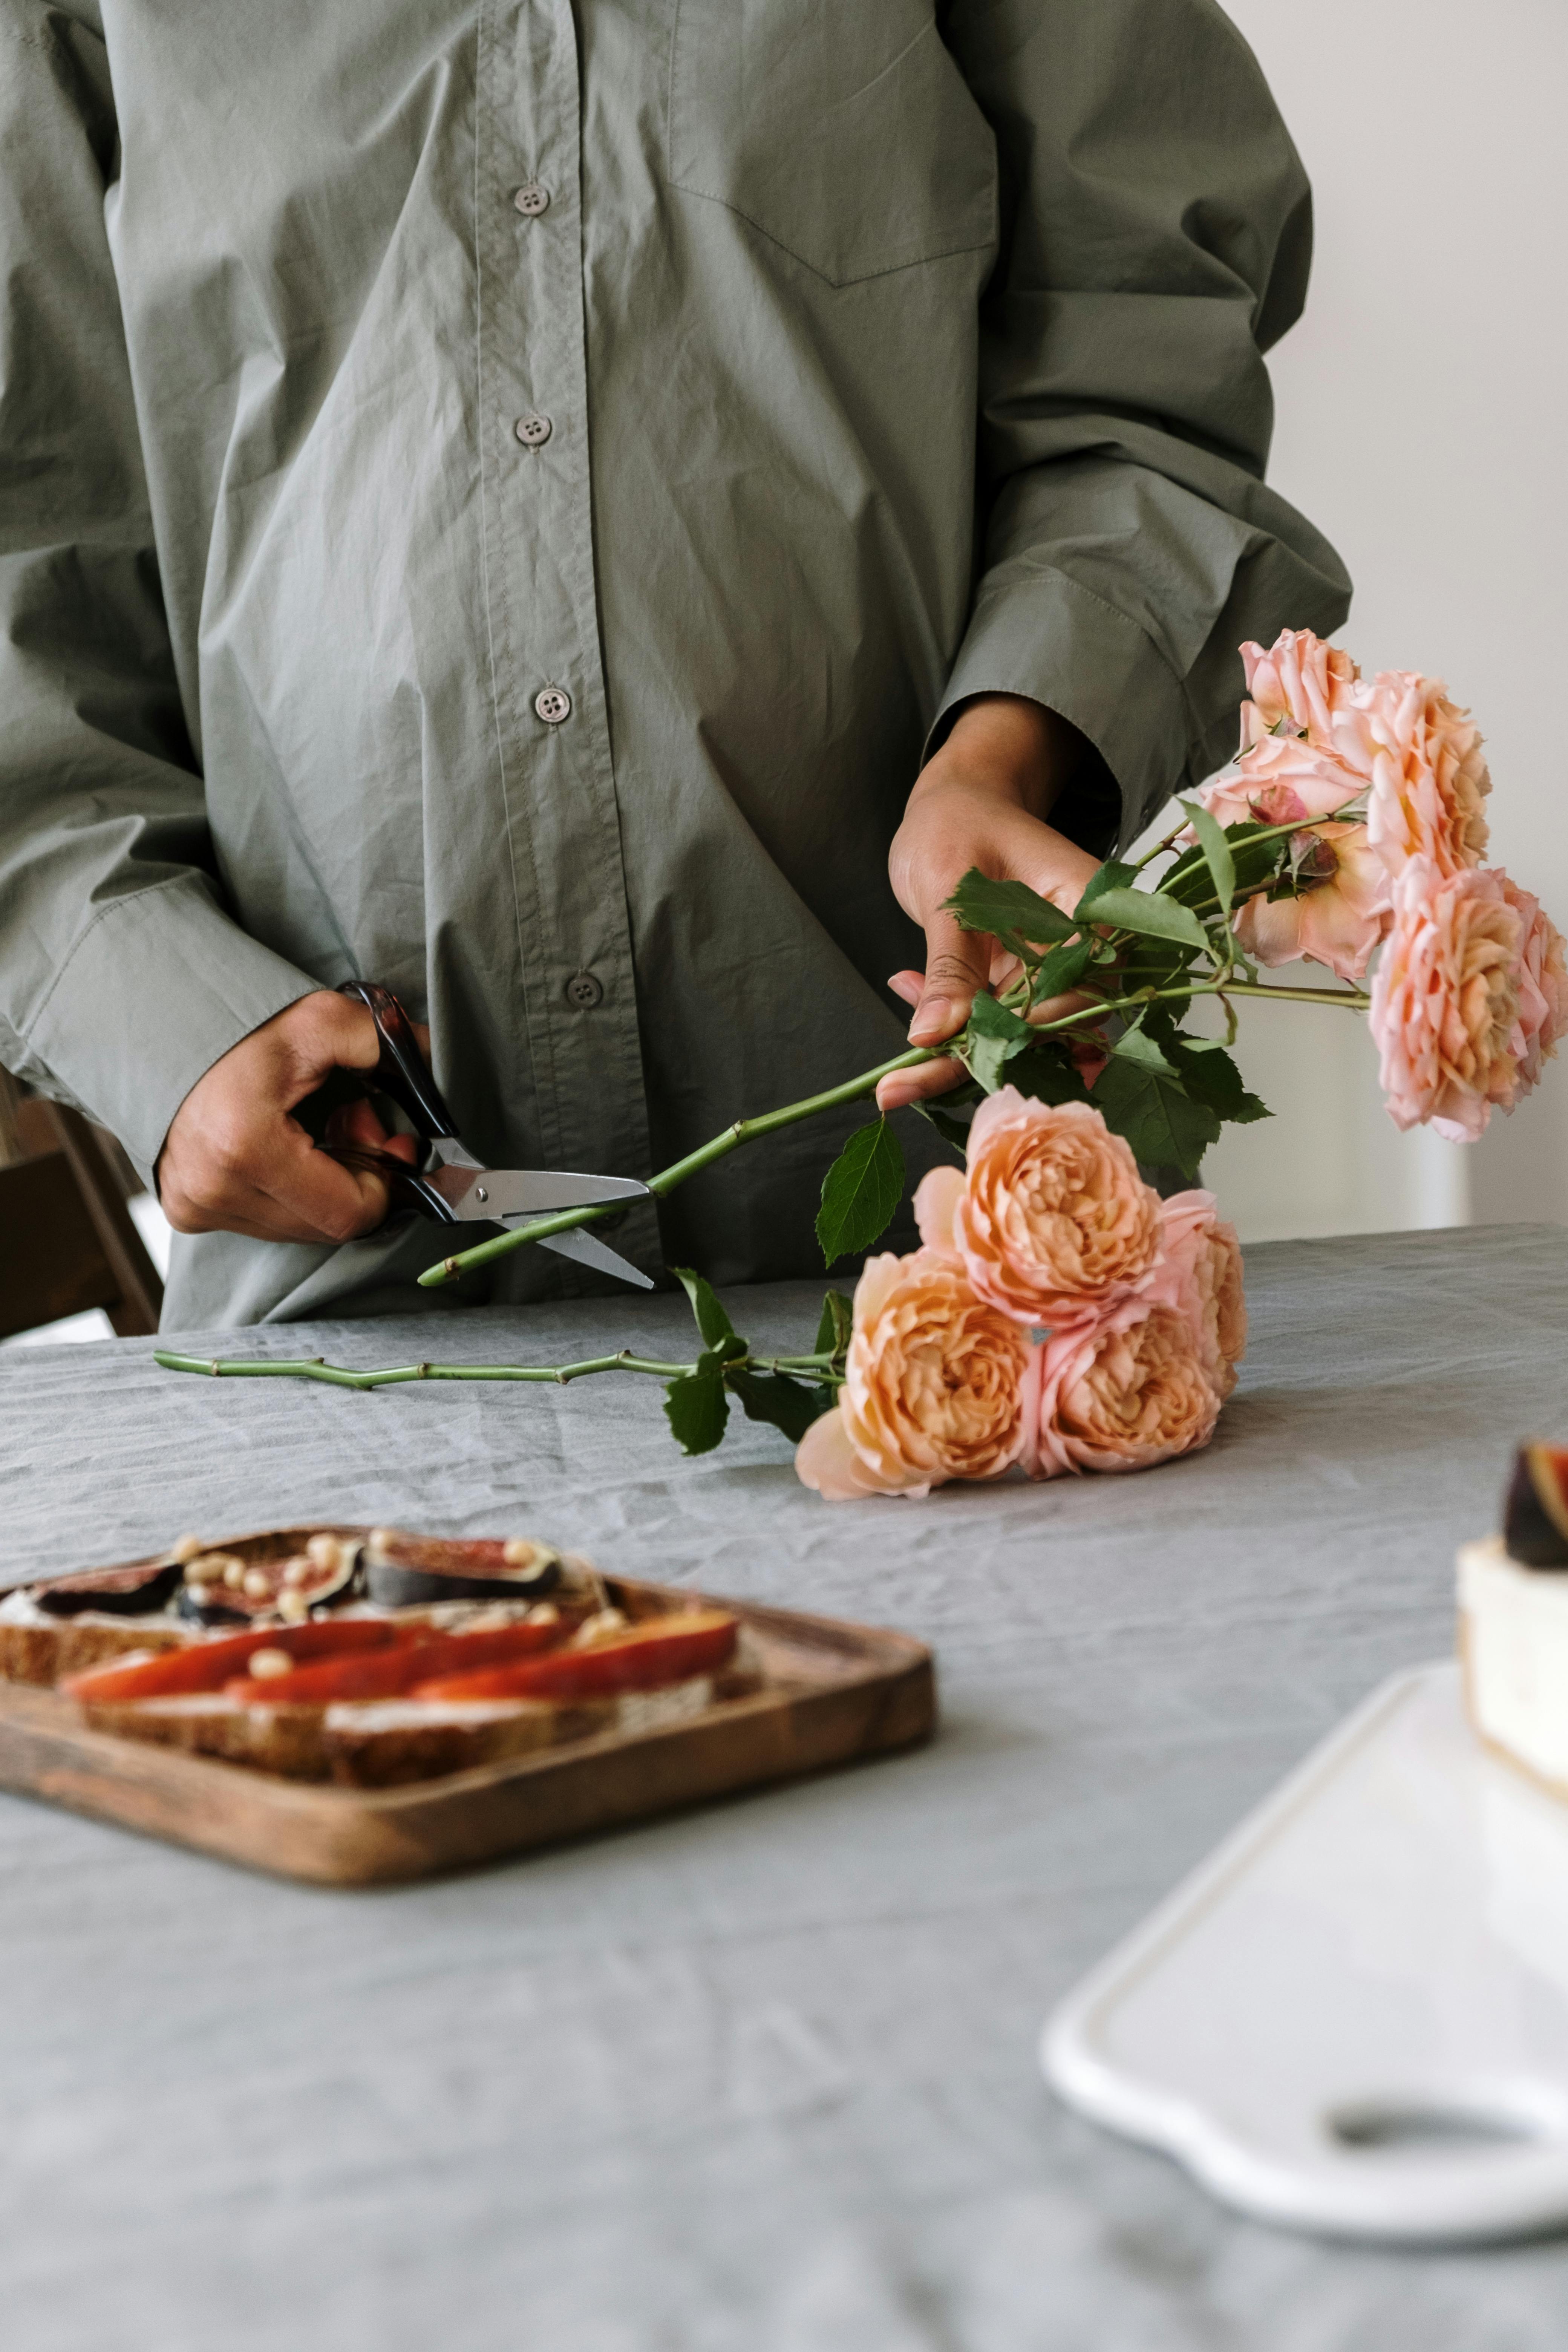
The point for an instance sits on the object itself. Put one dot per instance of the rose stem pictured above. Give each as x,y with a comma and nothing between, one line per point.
744,1130
316,1369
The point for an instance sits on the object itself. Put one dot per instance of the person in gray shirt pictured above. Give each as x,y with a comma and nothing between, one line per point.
507,498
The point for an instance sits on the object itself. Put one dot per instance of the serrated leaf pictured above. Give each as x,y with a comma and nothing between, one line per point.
952,1130
1047,1072
1150,916
1166,1127
1213,1078
1010,911
1137,1044
788,1404
994,1035
837,1321
718,1332
1111,876
697,1407
860,1192
1217,853
1061,971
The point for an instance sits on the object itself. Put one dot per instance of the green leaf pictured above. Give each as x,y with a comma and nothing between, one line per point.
1047,1072
715,1326
952,1130
1255,859
697,1407
1138,1044
790,1405
1061,969
994,1035
1217,853
1213,1078
860,1192
1110,876
836,1324
1151,915
1166,1127
1010,911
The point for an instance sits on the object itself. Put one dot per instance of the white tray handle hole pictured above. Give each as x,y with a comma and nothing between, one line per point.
1417,2127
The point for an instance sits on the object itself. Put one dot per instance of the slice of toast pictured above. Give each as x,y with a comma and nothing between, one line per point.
43,1650
287,1740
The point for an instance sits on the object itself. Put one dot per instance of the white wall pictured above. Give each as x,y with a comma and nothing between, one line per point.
1422,424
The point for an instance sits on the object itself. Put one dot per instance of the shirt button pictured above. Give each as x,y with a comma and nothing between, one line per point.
552,705
532,200
534,432
584,992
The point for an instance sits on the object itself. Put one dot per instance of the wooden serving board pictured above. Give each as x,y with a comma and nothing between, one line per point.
831,1693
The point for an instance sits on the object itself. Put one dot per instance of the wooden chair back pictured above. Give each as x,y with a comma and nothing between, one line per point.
68,1240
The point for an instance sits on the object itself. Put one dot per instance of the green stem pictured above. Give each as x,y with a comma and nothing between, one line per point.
744,1130
315,1368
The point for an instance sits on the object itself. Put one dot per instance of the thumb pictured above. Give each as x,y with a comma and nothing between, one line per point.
325,1032
958,963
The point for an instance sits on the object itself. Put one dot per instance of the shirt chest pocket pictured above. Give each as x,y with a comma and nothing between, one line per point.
841,128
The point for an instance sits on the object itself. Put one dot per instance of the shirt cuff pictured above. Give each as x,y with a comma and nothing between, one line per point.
157,989
1044,636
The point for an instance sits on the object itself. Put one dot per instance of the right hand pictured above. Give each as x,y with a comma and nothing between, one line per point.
234,1159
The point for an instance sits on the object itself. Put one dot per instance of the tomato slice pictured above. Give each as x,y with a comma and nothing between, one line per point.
665,1650
207,1665
387,1674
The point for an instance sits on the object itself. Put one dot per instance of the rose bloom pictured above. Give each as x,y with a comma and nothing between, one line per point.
1052,1221
1298,683
1281,781
1421,757
1445,1000
1126,1393
1341,910
1542,979
1199,1273
934,1389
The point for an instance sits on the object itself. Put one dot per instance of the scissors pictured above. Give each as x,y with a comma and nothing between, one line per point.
449,1184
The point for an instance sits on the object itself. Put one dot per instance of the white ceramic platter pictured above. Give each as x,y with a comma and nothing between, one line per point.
1353,2017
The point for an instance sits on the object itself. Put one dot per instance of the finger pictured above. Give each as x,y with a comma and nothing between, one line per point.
356,1126
958,964
909,985
901,1087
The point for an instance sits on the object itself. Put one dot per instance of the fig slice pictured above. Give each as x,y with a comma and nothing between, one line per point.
113,1591
405,1571
232,1588
1535,1508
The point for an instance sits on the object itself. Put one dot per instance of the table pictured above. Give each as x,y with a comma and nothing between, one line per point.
762,2075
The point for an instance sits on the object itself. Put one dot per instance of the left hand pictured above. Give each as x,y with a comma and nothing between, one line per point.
981,801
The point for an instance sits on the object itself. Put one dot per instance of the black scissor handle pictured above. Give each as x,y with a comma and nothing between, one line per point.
406,1189
403,1071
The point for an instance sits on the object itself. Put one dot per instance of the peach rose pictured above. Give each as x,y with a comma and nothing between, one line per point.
1052,1221
1129,1392
1541,980
1445,1000
1340,910
1281,781
1199,1272
1298,683
1422,758
934,1387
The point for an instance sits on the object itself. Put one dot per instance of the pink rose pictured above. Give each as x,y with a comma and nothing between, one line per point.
934,1387
1340,910
1281,781
1199,1273
1542,979
1052,1221
1298,683
1422,758
1445,1000
1129,1392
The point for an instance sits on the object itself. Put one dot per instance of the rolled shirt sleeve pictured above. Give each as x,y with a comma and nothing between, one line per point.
122,977
1156,241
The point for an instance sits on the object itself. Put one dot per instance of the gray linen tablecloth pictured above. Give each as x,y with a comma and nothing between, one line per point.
763,2076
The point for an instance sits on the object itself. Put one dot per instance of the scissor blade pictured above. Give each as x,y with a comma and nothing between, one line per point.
488,1194
589,1251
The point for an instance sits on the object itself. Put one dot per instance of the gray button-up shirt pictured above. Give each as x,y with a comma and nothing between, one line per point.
494,498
